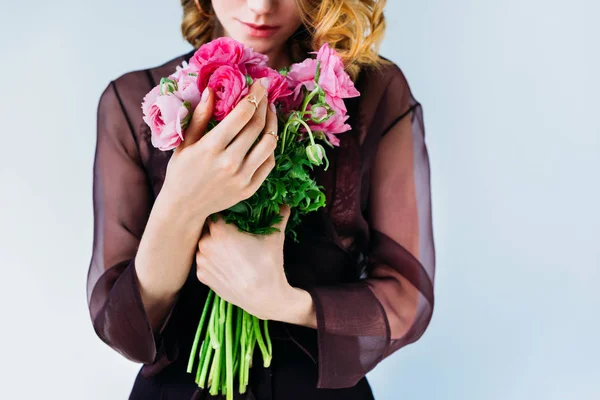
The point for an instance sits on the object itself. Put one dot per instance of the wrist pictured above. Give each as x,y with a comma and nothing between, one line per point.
175,209
298,308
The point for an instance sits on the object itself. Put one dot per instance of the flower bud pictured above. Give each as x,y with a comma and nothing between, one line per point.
319,114
167,86
316,154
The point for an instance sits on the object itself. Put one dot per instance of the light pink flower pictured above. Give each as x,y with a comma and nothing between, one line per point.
302,75
187,89
164,115
318,112
333,79
336,123
251,57
183,69
229,85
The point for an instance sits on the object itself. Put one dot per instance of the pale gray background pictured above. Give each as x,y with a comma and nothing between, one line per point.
510,94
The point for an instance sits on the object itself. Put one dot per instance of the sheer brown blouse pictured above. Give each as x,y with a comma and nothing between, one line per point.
367,258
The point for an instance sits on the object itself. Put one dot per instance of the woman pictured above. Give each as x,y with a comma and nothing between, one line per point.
357,287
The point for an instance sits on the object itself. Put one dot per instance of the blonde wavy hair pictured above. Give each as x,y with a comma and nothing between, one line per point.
354,28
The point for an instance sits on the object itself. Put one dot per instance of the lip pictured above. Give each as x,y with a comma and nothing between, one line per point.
259,30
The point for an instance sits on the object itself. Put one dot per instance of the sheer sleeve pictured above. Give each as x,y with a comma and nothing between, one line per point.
122,199
361,323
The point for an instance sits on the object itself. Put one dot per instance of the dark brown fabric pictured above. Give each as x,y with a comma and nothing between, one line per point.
367,258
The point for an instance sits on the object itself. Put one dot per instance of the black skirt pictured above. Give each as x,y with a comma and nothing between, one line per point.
292,375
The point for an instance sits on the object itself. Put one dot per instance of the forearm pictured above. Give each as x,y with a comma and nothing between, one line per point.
165,255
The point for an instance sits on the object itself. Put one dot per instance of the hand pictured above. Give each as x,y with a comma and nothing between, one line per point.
212,171
245,269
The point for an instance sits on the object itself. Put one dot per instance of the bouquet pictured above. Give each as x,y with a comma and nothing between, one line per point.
308,97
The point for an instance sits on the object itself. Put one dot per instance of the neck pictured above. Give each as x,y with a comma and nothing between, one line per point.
279,58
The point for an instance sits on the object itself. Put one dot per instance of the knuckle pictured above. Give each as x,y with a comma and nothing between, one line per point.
228,164
256,125
262,119
246,113
202,247
247,190
243,181
201,273
199,260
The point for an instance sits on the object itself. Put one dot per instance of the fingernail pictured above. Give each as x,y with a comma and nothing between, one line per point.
265,82
204,95
272,107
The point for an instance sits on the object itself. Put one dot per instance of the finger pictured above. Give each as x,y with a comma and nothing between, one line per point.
199,121
241,114
265,146
271,124
212,225
262,172
247,137
285,212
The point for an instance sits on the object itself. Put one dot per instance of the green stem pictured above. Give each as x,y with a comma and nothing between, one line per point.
269,345
221,332
212,323
190,366
201,359
206,362
308,130
250,349
261,343
228,351
284,136
243,353
238,332
308,98
222,313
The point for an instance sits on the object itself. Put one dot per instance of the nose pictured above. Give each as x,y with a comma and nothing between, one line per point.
261,6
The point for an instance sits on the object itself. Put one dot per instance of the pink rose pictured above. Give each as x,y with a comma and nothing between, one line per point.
229,85
223,51
278,85
165,115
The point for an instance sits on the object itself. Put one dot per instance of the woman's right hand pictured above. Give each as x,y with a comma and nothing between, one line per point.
211,171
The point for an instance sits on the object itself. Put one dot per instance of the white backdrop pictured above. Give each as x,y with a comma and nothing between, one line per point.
510,95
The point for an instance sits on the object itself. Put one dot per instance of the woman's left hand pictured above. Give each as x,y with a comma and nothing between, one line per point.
243,268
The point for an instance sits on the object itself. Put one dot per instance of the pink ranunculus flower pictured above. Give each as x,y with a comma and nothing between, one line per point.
183,69
164,115
336,123
302,75
229,85
251,57
318,112
223,51
278,85
187,89
333,78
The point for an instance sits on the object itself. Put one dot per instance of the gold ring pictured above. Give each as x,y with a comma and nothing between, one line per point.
252,99
276,136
